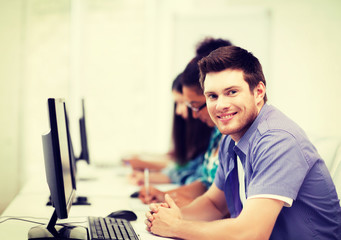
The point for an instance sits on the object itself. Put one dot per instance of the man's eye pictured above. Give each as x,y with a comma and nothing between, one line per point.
231,92
212,96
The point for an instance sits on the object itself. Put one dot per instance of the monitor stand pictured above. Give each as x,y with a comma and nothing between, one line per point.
81,200
51,231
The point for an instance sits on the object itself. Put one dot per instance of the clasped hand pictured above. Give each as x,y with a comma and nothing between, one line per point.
163,217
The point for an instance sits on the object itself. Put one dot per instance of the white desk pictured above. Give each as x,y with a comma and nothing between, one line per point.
107,193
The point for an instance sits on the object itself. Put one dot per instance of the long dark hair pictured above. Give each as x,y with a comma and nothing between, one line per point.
190,136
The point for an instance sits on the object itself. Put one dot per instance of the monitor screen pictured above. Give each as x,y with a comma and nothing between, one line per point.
84,155
57,159
71,152
79,200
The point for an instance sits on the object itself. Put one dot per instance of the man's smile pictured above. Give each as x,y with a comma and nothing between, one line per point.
226,116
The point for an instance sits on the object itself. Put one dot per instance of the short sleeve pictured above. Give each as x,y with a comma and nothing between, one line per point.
278,166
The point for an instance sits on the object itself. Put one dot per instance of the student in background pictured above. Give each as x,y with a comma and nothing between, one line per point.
190,139
195,100
271,180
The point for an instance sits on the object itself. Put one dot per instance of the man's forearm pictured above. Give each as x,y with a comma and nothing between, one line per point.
255,222
219,229
194,211
223,229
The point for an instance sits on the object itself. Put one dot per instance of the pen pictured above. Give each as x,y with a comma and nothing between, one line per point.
146,180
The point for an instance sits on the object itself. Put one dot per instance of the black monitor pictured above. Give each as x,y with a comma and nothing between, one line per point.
84,155
79,200
71,152
59,176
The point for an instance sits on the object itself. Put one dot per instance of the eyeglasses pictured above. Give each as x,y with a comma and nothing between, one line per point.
195,109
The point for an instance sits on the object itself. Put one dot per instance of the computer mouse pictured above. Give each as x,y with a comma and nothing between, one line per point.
125,214
135,194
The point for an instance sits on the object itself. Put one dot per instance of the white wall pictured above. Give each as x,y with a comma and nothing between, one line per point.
306,56
46,71
122,56
34,65
10,94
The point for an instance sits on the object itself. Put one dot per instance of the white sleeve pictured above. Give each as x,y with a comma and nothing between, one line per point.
287,201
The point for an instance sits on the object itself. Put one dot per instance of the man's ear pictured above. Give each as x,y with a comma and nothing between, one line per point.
259,92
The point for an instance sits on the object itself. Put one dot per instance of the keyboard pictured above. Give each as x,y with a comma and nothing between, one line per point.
110,228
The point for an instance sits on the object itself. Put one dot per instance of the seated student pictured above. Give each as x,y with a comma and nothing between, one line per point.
271,180
190,140
196,102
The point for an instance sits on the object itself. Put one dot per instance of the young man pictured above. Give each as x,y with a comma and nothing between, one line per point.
285,189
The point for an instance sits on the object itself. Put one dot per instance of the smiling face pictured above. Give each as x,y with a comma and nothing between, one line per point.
196,100
230,103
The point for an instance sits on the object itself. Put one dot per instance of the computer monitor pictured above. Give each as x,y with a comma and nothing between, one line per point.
58,169
84,155
72,157
79,200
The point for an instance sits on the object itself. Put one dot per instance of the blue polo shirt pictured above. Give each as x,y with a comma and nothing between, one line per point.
279,159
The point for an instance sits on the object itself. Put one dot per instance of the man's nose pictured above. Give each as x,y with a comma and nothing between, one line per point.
223,103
